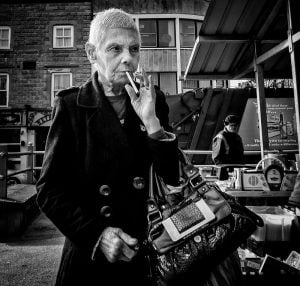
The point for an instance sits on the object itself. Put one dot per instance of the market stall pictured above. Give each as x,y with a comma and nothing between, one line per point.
258,39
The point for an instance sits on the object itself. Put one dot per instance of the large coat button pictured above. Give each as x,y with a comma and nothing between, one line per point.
106,211
138,183
105,190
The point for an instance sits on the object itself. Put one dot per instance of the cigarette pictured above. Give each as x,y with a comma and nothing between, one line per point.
132,82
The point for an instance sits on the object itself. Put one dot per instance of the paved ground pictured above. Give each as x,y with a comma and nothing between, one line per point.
31,259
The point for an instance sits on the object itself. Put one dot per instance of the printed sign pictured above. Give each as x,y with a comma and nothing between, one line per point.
39,118
281,124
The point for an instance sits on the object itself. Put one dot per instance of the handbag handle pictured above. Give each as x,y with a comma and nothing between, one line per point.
157,187
154,213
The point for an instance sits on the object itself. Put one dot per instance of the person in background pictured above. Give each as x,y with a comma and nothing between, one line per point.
227,146
102,141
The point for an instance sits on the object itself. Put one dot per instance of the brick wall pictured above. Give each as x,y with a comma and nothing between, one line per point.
31,40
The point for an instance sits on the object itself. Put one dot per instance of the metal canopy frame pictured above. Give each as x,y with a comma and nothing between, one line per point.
242,39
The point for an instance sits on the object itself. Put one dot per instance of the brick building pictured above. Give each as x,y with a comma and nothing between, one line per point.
42,51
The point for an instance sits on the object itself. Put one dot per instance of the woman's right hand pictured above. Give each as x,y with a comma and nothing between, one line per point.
144,104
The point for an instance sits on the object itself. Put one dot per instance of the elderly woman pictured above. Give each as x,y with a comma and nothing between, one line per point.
103,138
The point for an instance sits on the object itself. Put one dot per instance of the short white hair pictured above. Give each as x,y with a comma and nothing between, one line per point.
110,19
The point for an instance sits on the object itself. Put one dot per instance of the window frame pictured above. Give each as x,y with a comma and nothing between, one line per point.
53,92
159,73
195,22
55,27
190,84
9,37
7,89
157,20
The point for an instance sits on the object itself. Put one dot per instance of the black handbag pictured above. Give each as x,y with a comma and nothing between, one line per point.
193,224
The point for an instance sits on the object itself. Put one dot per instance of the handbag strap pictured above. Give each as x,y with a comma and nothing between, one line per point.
154,214
157,198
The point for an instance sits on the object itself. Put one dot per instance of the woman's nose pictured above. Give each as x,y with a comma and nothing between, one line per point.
126,56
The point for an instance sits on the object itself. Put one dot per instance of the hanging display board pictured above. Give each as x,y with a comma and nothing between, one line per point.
281,123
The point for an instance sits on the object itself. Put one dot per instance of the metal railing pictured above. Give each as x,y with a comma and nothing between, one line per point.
29,169
209,152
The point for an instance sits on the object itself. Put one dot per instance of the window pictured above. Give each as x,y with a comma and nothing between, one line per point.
167,81
190,84
29,65
4,37
63,37
189,29
3,89
157,33
60,81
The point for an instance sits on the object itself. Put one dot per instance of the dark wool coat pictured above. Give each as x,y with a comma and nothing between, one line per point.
86,183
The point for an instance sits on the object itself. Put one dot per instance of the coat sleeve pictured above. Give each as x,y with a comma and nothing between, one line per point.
218,151
58,195
165,152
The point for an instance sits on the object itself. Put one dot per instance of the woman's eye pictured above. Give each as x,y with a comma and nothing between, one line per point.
114,49
135,49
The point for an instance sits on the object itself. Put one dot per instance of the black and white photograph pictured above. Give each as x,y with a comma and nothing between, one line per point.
149,143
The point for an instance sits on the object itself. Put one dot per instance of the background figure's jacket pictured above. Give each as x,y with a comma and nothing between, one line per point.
227,148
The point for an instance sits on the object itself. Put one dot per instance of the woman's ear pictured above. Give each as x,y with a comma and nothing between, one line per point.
90,50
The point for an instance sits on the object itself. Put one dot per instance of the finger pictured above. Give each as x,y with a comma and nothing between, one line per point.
151,87
131,92
145,77
150,81
130,241
128,253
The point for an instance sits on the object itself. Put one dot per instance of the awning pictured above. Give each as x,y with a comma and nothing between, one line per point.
234,31
250,39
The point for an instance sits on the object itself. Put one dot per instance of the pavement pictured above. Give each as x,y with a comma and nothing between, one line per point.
32,258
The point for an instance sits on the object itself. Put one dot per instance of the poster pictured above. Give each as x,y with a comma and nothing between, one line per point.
281,124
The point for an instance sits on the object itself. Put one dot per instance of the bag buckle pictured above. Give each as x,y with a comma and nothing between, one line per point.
154,216
196,181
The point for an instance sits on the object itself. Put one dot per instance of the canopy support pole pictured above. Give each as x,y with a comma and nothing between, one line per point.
261,107
295,70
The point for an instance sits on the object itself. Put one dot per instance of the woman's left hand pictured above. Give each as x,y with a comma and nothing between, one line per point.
144,103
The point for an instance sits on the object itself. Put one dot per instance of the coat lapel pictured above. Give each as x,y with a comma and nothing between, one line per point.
103,124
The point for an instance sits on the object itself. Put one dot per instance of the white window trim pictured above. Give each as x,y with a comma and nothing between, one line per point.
165,16
52,83
55,27
7,85
9,37
157,33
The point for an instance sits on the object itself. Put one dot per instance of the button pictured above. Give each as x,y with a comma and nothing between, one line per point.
106,211
105,190
138,183
197,238
143,128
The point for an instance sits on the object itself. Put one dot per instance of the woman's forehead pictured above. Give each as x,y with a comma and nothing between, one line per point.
120,36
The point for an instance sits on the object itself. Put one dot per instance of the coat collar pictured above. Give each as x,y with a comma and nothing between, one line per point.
91,94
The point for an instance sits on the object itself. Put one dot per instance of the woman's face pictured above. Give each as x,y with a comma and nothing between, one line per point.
119,52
